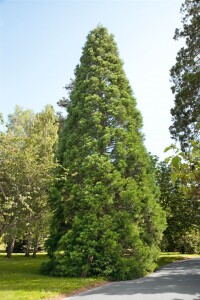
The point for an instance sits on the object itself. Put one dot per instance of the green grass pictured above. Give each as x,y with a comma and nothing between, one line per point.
20,278
170,257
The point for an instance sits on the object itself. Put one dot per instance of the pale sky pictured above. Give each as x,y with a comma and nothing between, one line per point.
41,43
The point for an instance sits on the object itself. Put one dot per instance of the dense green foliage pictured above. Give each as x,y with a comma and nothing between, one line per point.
181,233
106,217
185,167
185,162
27,149
185,75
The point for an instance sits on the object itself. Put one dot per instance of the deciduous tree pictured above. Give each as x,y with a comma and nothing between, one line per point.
27,157
181,209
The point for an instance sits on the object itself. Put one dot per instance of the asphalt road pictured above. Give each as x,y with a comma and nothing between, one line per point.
176,281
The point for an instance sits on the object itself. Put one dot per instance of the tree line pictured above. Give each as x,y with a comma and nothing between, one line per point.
85,188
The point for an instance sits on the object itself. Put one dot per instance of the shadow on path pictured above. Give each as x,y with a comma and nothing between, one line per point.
176,281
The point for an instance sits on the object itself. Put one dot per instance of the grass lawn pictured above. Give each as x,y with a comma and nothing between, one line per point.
169,257
20,278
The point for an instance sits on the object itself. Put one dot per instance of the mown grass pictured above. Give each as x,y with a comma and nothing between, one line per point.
20,278
170,257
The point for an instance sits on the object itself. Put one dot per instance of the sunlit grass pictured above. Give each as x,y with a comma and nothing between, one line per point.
169,257
20,280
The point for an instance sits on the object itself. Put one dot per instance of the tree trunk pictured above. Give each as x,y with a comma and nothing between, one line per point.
35,247
28,246
10,247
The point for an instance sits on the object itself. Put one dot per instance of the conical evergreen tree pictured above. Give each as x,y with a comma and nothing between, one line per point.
106,217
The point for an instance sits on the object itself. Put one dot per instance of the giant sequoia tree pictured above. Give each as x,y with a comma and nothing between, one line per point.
106,217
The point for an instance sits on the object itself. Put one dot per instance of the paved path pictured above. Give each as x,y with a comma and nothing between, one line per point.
176,281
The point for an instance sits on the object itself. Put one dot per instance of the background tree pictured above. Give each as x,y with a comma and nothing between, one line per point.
185,129
14,190
181,233
106,217
185,75
27,158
